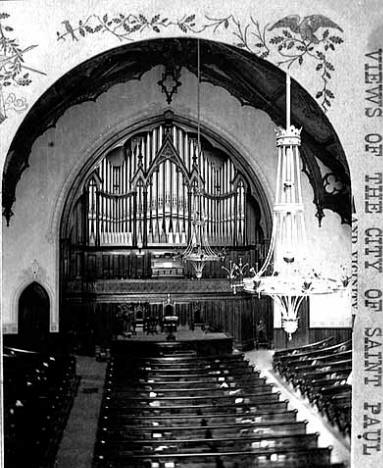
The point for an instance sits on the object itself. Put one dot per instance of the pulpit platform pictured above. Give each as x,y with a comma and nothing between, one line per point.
185,340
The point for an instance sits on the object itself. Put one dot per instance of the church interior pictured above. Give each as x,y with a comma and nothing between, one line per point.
176,257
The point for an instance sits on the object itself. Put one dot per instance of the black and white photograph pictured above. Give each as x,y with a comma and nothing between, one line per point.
192,235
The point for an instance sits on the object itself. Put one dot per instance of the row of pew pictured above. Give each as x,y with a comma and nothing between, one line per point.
189,410
321,372
39,390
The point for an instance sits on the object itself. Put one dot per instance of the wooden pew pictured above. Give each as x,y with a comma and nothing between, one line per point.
194,412
321,375
158,420
298,349
164,392
115,432
185,387
300,372
279,364
287,458
38,393
186,381
315,363
174,362
184,377
252,442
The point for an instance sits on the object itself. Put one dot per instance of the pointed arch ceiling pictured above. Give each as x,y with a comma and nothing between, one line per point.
251,80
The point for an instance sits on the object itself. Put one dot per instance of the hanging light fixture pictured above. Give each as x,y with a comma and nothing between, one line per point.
287,276
235,274
198,251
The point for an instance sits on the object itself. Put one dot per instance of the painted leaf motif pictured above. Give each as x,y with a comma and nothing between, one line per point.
336,39
276,40
182,27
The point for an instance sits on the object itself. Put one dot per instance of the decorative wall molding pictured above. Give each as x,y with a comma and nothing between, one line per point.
291,41
34,273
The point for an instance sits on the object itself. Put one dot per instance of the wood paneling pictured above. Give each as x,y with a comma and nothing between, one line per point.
88,319
117,263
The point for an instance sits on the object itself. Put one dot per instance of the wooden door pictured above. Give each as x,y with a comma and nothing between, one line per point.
34,317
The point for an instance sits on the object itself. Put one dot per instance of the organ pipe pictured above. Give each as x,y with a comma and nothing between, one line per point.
155,209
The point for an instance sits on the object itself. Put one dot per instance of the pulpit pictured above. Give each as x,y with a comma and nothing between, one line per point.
170,320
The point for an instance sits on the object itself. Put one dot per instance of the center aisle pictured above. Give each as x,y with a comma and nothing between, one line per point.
76,448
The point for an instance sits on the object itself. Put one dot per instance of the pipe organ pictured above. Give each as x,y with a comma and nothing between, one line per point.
140,194
130,218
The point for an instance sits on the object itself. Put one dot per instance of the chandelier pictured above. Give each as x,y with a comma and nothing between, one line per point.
287,275
235,274
198,251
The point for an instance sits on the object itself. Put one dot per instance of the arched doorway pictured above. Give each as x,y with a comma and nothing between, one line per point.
34,309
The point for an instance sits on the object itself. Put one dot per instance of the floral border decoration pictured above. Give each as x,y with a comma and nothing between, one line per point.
14,72
289,42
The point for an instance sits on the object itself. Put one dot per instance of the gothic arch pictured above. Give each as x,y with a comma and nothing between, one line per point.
258,186
238,71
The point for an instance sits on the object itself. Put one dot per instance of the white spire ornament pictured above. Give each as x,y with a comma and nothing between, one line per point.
287,275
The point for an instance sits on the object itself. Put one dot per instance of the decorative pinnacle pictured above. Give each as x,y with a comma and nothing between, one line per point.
288,136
